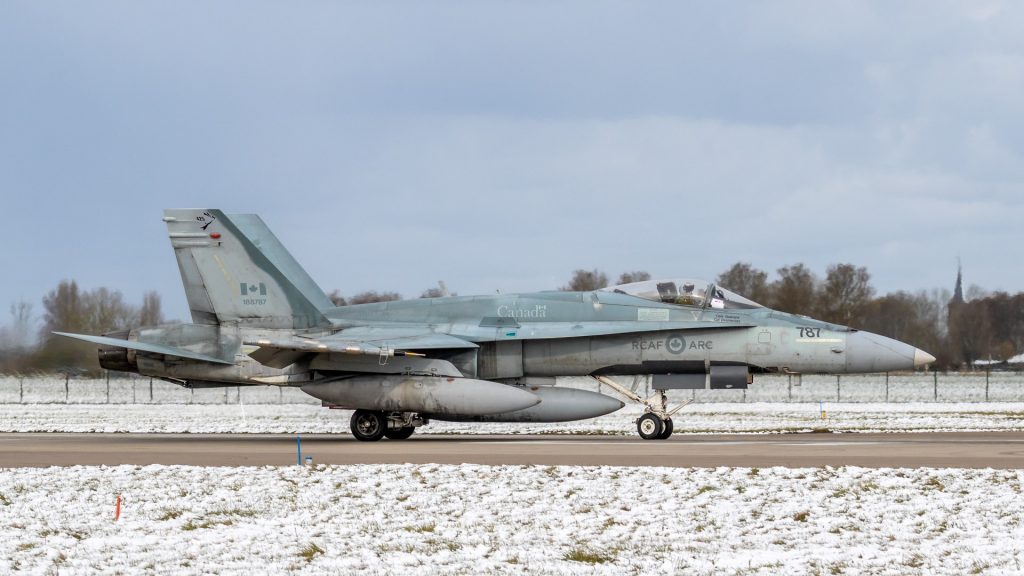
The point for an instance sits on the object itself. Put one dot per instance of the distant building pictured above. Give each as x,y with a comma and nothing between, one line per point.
955,322
958,291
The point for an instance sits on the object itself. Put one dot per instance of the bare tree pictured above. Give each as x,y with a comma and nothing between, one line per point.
18,336
586,280
634,276
374,296
975,292
845,294
911,318
795,290
150,313
441,291
105,310
62,309
336,298
68,309
745,280
970,332
986,327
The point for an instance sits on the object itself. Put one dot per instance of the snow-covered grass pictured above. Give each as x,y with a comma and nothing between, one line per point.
470,519
920,387
696,418
774,403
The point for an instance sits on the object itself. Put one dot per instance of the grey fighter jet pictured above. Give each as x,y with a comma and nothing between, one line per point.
259,319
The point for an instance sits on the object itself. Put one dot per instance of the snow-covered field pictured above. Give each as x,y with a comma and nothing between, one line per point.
696,418
469,519
873,388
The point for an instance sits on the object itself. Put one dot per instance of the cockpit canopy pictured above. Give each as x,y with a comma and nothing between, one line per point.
685,292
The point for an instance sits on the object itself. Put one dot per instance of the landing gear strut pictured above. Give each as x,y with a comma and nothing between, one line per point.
656,423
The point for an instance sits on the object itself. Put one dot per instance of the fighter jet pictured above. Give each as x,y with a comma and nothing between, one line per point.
259,319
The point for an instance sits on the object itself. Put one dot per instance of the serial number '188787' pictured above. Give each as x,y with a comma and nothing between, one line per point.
809,332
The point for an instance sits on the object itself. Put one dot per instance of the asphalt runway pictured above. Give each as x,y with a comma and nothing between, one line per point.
939,450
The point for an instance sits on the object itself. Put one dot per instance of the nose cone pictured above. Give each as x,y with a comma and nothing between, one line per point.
867,352
922,358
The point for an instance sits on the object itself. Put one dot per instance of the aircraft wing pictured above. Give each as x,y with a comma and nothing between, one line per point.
144,347
284,352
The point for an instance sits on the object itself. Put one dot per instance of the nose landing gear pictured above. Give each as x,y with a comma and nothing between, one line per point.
656,423
652,427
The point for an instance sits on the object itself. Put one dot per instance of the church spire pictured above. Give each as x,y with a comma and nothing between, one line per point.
958,291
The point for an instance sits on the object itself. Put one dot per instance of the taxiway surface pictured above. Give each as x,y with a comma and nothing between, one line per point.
940,450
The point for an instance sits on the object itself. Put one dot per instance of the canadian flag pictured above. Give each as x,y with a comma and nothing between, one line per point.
252,289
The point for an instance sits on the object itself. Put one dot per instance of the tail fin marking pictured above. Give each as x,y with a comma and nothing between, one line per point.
235,271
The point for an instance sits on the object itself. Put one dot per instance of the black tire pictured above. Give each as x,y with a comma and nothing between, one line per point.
368,426
649,426
399,433
667,430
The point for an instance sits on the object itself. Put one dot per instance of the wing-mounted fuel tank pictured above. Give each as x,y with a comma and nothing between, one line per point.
428,395
557,405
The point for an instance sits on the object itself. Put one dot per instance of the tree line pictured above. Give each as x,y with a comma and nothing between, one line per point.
957,328
67,308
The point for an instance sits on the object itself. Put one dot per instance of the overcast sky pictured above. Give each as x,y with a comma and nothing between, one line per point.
499,146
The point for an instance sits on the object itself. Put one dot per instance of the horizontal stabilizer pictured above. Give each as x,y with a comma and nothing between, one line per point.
277,357
144,347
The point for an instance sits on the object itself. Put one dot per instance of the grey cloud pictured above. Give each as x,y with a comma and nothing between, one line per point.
500,145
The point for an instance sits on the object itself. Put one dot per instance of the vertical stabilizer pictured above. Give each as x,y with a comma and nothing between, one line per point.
235,271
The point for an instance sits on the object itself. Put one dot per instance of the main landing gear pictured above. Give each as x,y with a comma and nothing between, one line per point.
370,425
656,423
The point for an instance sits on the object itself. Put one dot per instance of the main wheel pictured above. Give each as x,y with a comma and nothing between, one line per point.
667,431
649,426
399,433
368,426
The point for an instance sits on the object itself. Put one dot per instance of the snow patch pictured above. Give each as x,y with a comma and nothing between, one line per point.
455,519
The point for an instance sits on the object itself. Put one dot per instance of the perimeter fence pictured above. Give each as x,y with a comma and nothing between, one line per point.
903,387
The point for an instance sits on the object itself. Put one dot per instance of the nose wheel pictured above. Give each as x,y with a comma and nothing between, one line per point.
651,427
667,430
